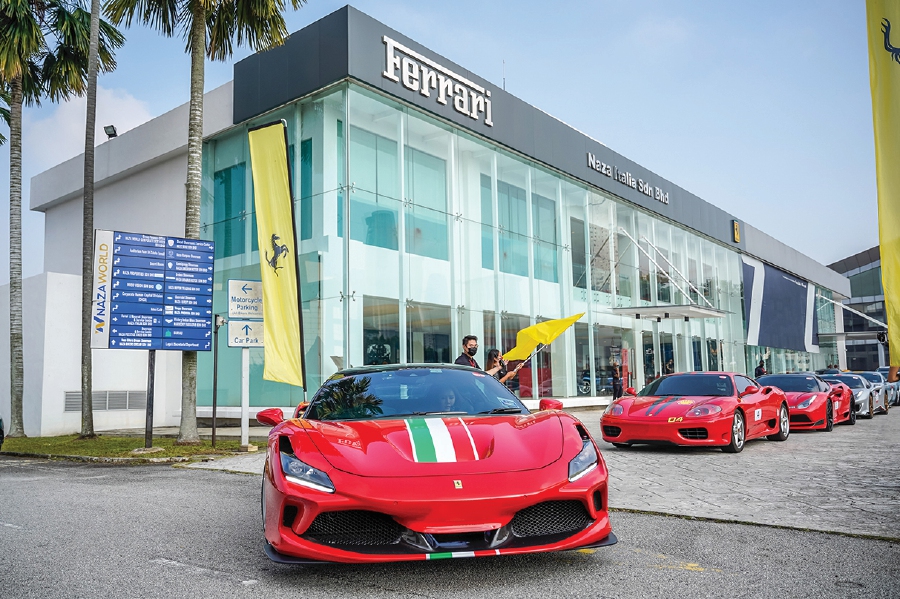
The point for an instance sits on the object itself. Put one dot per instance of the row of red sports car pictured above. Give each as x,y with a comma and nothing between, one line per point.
427,461
719,409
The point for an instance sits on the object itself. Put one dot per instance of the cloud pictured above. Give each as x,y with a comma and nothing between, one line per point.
52,137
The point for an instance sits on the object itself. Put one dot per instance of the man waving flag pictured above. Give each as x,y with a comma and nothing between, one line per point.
883,24
282,324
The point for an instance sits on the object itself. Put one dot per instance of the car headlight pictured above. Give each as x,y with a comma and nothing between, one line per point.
301,473
861,394
805,403
613,409
700,411
584,462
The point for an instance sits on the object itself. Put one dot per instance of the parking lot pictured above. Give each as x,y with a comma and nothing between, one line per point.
843,481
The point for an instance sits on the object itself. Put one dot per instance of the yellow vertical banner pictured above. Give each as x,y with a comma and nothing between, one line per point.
282,324
883,25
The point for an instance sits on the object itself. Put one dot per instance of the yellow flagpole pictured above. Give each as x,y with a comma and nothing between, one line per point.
282,322
883,25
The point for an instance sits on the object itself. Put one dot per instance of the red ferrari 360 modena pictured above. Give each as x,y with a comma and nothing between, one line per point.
814,404
702,409
422,462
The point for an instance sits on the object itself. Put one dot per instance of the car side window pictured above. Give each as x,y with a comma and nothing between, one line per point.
742,383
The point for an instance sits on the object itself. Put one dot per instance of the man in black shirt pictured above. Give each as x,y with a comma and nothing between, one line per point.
470,348
760,370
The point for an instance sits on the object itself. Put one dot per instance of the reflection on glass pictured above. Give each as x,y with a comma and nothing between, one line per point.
650,371
428,334
381,330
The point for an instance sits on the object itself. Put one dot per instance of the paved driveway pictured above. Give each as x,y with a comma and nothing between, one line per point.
844,481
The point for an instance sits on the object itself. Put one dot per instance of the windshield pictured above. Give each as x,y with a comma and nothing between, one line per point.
884,369
872,377
791,384
854,382
718,385
412,392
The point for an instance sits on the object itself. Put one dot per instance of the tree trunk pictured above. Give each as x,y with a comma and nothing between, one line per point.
87,233
16,367
187,433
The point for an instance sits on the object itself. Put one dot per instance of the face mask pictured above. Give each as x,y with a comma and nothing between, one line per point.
471,350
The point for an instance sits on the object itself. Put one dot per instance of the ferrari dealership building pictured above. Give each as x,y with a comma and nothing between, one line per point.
429,204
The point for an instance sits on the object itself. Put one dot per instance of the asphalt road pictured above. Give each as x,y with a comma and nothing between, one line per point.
85,530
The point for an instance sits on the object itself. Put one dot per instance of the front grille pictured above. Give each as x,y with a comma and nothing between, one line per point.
694,433
800,418
550,518
354,528
612,431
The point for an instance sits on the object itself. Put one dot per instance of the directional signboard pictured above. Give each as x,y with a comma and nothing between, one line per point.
245,299
245,333
152,292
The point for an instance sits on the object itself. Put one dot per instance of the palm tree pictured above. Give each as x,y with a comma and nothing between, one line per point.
87,234
211,28
43,52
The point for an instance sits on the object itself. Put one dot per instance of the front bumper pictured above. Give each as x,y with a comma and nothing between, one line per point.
422,518
692,432
812,417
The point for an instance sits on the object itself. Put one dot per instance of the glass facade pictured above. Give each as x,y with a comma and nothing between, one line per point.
414,233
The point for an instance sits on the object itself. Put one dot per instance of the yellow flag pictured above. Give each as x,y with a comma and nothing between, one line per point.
541,333
883,24
282,325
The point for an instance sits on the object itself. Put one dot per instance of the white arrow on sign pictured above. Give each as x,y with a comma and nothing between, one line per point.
245,333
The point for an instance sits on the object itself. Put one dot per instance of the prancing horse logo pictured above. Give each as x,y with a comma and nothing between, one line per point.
278,252
886,30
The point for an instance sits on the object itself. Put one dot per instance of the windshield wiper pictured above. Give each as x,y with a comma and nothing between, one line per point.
405,414
503,411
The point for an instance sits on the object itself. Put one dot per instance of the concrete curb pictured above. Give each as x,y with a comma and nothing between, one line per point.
102,460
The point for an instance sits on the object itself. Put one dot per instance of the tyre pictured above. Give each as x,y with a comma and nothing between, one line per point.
871,413
784,425
852,420
829,417
738,434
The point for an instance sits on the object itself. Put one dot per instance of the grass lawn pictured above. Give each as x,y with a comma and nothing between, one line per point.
114,447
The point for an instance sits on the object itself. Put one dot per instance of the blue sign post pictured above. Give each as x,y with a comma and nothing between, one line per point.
152,292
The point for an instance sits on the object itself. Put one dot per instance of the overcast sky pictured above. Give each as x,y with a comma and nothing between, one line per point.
761,108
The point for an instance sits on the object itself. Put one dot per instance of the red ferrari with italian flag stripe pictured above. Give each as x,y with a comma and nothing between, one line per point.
419,462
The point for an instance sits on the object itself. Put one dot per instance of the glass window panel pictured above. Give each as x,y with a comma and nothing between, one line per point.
306,188
626,265
579,259
229,210
428,334
381,330
544,223
600,239
513,217
487,220
426,219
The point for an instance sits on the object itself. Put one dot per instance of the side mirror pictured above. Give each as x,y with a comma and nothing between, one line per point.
630,391
550,404
270,416
750,390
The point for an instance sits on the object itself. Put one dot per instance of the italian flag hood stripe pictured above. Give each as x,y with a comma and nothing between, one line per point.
440,440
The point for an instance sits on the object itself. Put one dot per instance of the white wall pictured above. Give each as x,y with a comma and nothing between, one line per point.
150,201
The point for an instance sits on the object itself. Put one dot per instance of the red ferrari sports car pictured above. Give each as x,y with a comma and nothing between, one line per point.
814,404
717,409
418,462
